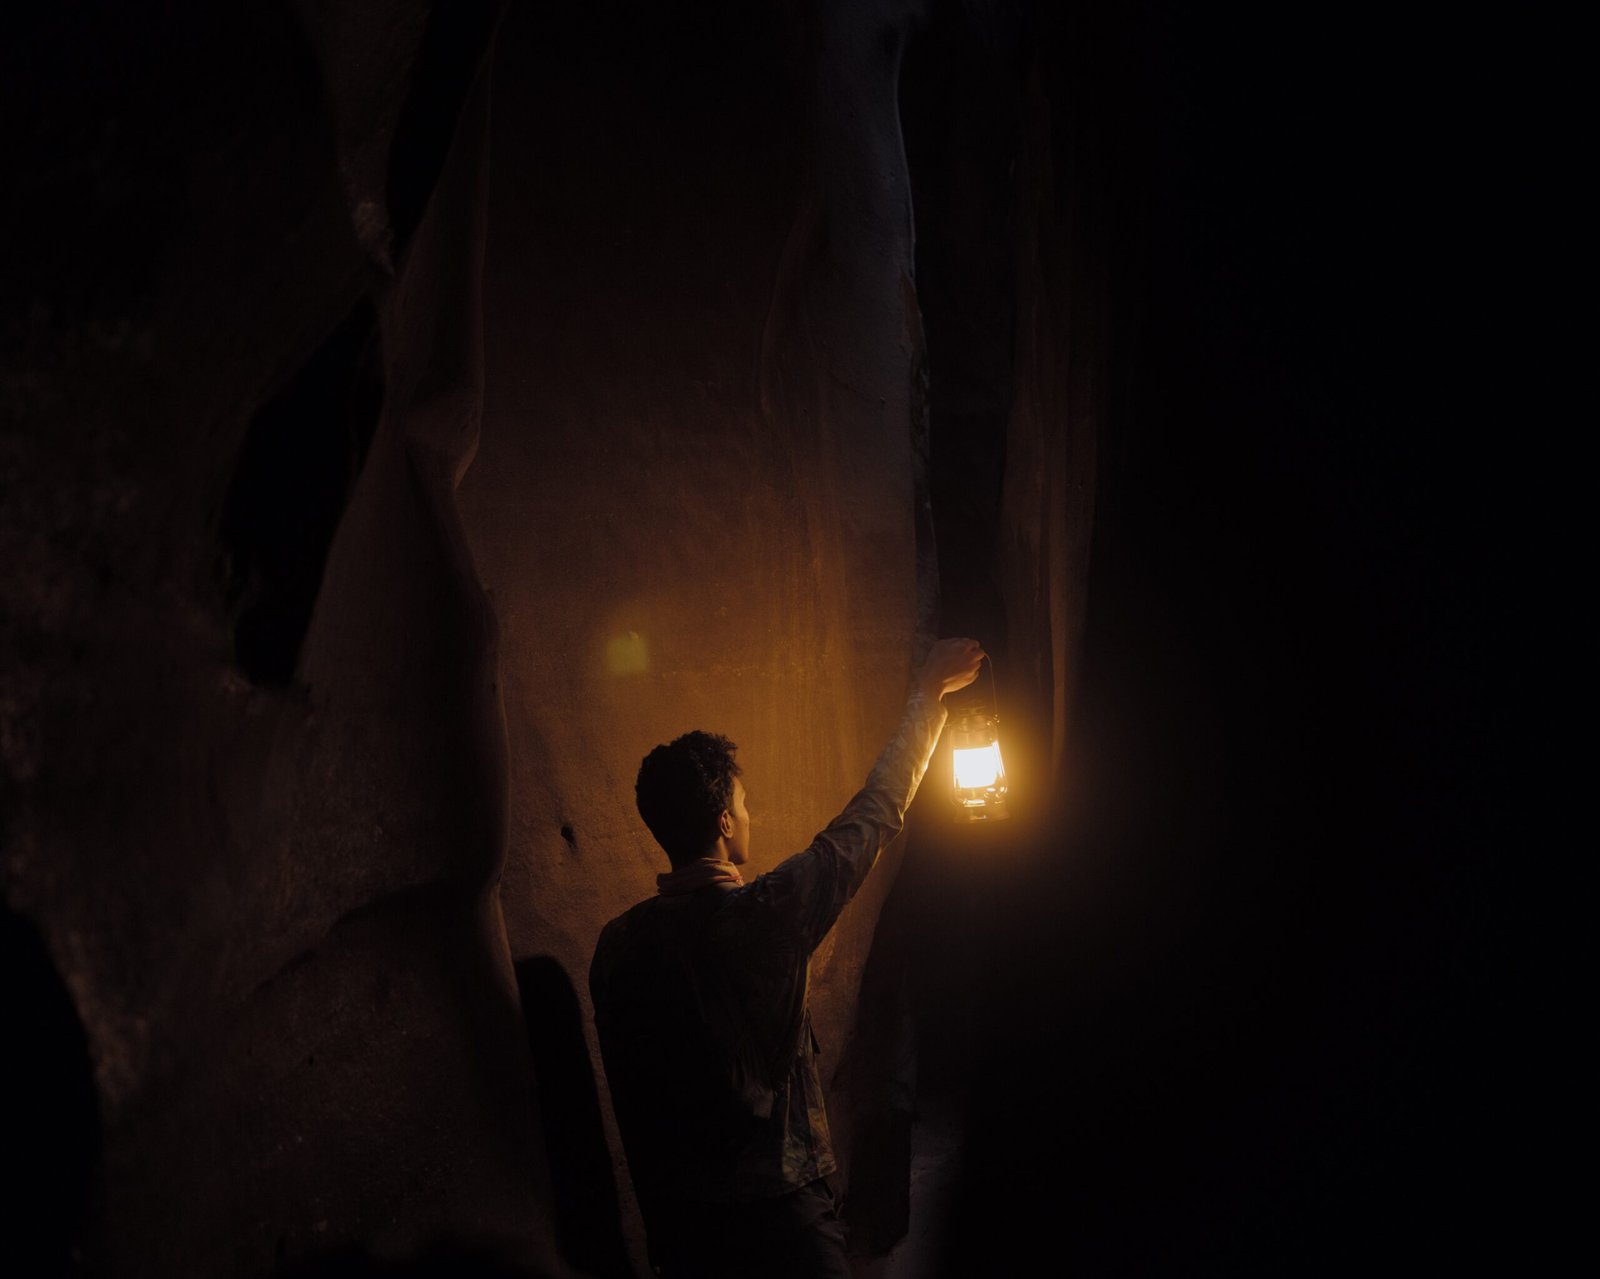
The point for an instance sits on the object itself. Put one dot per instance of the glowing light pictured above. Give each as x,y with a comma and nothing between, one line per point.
978,772
978,768
627,654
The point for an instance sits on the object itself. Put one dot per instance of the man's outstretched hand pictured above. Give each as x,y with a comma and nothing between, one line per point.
951,664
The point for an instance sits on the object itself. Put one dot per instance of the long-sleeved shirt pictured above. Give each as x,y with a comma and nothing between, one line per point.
700,1004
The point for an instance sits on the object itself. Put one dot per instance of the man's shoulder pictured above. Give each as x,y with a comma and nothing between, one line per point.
658,925
657,916
640,928
630,923
639,910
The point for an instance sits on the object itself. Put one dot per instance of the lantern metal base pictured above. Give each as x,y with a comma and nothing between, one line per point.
992,811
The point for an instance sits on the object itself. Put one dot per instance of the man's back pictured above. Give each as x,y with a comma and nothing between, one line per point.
700,1005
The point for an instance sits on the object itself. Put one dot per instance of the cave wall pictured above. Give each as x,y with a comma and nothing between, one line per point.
696,501
253,747
370,507
1260,950
391,458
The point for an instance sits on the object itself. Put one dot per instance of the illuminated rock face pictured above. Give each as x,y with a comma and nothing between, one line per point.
268,744
695,502
382,475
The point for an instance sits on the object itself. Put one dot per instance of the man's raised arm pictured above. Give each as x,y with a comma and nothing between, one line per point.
812,887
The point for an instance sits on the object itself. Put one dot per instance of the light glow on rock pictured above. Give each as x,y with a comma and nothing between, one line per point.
627,654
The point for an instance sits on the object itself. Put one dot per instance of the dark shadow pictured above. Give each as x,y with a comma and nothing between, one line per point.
877,1081
302,453
51,1159
588,1213
442,1259
959,112
452,49
1253,1015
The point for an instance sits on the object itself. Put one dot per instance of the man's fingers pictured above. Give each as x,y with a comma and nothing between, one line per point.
958,660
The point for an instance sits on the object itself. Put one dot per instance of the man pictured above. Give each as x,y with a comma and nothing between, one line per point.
700,1003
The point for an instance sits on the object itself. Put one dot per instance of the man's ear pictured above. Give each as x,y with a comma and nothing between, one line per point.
725,824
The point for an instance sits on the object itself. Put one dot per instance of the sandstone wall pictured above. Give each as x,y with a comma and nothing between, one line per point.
254,758
696,501
377,486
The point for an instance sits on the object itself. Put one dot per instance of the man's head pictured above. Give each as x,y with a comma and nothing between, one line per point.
691,798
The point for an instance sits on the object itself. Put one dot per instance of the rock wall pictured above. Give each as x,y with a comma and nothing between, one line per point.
391,457
253,749
696,501
1245,999
366,518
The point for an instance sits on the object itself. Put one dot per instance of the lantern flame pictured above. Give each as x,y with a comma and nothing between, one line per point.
977,770
977,767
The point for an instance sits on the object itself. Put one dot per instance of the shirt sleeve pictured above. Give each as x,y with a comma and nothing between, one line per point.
810,889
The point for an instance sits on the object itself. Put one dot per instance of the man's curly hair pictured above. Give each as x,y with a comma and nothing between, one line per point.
682,790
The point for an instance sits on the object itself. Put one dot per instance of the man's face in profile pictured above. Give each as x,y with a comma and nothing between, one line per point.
739,839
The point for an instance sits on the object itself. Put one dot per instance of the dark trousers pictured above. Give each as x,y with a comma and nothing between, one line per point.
795,1236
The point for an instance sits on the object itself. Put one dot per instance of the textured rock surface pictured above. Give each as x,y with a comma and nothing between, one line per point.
1244,1009
695,501
260,841
252,686
1225,999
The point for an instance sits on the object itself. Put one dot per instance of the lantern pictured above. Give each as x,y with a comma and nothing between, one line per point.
978,771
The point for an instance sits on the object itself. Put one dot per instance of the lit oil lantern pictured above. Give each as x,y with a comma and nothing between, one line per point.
979,772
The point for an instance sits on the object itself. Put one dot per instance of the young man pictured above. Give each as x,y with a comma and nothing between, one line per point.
700,1003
